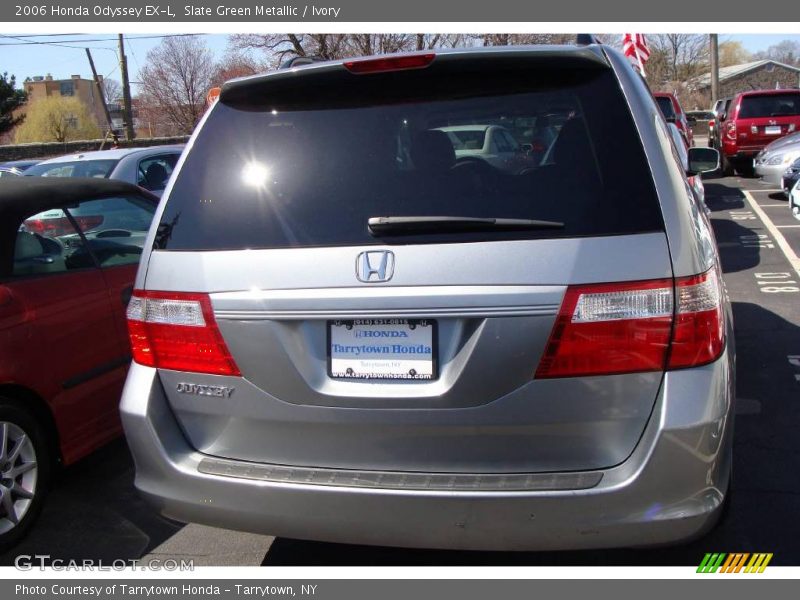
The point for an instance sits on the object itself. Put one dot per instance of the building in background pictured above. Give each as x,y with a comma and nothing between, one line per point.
83,89
756,75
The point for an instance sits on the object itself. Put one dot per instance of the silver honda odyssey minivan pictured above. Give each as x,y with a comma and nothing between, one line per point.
347,327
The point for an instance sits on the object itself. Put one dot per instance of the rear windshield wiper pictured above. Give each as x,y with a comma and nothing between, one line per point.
434,224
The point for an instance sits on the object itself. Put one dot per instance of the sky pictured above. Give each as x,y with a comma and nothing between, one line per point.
63,55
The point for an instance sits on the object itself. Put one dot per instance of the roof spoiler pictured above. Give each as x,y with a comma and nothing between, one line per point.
585,39
299,61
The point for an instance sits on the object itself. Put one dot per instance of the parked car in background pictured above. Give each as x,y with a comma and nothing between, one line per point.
696,181
489,143
755,119
721,107
69,250
771,163
16,167
789,184
352,323
673,113
700,122
149,168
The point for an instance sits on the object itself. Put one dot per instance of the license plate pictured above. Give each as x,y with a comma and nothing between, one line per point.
382,349
772,130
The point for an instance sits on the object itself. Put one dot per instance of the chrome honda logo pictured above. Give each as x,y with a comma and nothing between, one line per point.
375,266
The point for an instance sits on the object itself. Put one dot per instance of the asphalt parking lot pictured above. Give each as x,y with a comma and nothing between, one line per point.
94,513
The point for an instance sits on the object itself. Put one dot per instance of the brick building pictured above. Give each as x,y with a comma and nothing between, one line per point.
83,89
756,75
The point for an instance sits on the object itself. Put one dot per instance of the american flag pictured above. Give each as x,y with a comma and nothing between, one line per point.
634,45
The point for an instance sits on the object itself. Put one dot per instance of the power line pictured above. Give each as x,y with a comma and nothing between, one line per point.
25,42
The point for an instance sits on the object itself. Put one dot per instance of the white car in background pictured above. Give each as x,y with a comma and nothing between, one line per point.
491,143
148,167
794,200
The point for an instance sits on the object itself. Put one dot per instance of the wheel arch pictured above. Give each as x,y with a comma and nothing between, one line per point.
31,401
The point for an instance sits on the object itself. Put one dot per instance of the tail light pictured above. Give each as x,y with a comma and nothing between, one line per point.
59,226
730,130
711,125
177,331
402,62
635,327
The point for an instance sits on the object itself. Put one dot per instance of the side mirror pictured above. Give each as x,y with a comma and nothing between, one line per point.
702,160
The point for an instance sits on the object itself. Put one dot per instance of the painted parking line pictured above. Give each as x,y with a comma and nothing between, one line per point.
784,205
786,226
787,250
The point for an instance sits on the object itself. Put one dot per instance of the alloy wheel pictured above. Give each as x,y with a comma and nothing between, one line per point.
18,475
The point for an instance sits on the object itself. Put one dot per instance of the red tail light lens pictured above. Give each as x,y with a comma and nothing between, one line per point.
610,328
59,226
730,130
392,63
177,331
699,334
634,327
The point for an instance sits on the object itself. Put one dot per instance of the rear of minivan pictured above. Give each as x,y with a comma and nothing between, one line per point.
343,332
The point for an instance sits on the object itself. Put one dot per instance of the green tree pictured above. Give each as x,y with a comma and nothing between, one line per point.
57,119
10,100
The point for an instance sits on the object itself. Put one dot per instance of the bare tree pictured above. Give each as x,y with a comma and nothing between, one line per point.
786,51
112,89
235,64
176,79
281,47
684,55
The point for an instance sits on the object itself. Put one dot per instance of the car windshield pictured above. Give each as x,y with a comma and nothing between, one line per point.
77,168
307,170
771,105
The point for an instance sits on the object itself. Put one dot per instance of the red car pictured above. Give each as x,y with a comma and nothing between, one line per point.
69,250
674,113
753,120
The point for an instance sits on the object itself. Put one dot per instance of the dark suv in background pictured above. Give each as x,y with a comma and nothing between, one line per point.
753,120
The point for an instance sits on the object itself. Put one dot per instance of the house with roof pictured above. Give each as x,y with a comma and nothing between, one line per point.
755,75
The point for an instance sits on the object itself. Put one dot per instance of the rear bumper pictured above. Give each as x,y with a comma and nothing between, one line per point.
670,489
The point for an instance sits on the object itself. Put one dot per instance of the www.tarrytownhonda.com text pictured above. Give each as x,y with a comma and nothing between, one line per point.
28,562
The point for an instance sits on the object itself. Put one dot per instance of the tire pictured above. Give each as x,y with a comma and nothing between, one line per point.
22,487
727,166
746,169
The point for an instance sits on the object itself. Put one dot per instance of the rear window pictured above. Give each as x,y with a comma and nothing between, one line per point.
78,168
309,166
665,104
772,105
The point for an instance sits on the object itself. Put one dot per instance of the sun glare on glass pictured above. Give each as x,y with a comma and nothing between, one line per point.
255,174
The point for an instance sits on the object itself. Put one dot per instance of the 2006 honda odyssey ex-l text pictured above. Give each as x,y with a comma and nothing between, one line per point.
342,331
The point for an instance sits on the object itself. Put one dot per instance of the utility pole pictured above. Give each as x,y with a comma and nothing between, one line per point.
126,91
103,100
714,68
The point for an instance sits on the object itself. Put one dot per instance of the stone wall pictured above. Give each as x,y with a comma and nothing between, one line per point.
52,149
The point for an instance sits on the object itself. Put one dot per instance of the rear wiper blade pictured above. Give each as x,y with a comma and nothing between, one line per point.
433,224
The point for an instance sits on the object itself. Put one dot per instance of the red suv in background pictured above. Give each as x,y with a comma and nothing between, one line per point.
753,120
673,113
